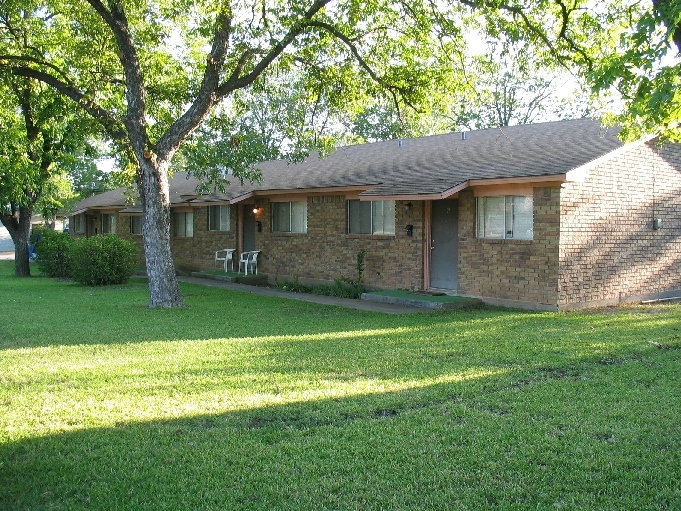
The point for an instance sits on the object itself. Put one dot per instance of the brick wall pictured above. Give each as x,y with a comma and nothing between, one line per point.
327,252
515,272
198,252
609,250
123,230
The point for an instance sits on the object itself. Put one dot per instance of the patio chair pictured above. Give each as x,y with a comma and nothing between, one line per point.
226,255
249,259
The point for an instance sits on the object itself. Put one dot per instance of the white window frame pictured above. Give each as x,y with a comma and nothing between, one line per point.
219,218
294,218
515,212
184,224
136,225
375,217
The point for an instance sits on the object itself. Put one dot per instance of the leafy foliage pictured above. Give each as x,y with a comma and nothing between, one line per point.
103,260
53,251
343,287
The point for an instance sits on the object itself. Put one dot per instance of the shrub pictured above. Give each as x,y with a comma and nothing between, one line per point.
103,260
342,287
294,286
353,287
53,253
39,232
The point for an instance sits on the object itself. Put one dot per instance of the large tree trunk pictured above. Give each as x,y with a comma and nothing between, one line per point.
19,228
164,289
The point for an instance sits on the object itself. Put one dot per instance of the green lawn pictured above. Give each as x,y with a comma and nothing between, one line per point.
240,401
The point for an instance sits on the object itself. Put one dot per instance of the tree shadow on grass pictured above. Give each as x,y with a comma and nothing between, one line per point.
514,439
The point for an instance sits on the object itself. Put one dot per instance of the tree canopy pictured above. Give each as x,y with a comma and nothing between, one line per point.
151,72
40,132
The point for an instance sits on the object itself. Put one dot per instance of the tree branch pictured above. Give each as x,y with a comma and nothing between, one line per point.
5,59
109,123
135,94
393,90
237,82
212,91
207,97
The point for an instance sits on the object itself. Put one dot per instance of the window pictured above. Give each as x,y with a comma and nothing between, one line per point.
184,225
108,223
371,217
79,223
507,217
136,224
218,218
289,217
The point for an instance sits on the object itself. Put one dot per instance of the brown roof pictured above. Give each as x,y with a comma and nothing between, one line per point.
427,166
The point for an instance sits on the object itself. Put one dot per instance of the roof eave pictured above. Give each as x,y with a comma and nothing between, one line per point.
450,192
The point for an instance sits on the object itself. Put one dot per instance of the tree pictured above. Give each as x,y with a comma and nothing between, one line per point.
630,49
503,87
508,85
34,143
114,60
284,117
642,62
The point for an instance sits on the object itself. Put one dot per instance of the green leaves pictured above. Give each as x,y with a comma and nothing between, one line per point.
102,260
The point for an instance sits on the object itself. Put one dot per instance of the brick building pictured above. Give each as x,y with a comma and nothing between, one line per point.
550,216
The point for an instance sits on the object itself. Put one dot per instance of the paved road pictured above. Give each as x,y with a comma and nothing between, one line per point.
6,244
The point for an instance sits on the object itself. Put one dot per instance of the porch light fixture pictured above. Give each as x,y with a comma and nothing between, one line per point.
255,210
410,230
408,206
657,224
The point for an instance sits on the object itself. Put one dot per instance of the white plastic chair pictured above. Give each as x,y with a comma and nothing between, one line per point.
226,255
249,259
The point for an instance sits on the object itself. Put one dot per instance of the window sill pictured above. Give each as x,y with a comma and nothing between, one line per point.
287,234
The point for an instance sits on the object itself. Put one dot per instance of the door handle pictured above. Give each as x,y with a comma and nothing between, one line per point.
432,244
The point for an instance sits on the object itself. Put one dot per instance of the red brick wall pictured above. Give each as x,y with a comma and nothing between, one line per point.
513,272
609,250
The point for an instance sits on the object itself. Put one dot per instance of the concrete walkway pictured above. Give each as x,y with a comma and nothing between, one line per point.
387,308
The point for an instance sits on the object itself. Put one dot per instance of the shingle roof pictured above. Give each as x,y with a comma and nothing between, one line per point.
112,198
431,165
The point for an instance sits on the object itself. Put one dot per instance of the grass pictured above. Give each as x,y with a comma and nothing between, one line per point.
241,401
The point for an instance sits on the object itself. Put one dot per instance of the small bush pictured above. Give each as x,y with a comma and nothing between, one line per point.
294,286
38,232
342,287
103,260
353,287
53,253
